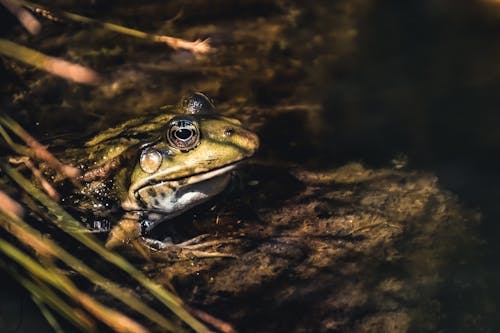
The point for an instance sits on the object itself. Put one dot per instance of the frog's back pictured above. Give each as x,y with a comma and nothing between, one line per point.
116,140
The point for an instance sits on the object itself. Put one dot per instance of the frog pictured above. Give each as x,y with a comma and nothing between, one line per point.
152,169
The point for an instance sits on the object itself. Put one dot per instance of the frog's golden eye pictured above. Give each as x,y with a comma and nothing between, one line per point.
150,160
183,134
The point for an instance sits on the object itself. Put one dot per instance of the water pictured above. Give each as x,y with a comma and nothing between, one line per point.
324,83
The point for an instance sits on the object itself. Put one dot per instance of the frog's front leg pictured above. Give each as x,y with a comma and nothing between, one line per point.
128,231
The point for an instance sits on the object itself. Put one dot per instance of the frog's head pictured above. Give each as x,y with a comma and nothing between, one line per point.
190,162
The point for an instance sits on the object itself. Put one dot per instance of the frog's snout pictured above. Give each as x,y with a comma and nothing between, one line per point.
243,138
254,141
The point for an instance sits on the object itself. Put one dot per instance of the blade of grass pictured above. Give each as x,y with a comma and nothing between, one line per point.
32,238
52,276
198,46
29,22
38,150
10,206
67,223
47,314
65,69
17,148
42,293
38,175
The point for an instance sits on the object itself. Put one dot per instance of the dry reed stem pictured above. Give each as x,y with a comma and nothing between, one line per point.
9,206
217,323
51,275
198,47
117,321
68,223
49,249
28,21
39,151
32,239
46,186
65,69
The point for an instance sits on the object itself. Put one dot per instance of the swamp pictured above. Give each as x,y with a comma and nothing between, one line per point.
367,149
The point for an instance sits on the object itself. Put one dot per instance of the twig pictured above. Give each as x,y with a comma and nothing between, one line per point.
65,69
68,223
43,295
47,187
38,150
219,324
28,21
112,318
196,47
10,206
48,248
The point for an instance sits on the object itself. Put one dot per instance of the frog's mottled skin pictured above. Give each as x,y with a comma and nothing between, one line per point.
158,168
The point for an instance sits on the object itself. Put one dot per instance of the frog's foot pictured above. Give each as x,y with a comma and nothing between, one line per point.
192,248
127,233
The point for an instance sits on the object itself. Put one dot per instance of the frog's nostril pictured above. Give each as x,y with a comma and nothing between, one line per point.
228,131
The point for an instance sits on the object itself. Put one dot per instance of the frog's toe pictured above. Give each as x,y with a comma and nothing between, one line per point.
158,245
189,249
190,254
194,240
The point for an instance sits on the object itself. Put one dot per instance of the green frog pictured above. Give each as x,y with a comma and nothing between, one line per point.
155,169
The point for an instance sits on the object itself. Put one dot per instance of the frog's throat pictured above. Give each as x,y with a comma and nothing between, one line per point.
132,203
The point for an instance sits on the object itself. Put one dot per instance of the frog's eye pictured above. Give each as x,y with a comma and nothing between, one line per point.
183,134
150,160
197,103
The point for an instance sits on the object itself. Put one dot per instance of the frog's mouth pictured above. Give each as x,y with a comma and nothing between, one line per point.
174,196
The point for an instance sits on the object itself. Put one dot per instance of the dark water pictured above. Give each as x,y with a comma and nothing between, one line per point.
418,79
425,82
